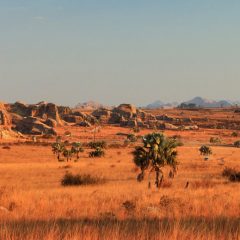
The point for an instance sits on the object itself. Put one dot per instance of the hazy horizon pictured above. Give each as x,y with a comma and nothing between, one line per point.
119,51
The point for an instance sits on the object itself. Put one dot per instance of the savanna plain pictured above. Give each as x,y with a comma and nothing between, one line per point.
198,203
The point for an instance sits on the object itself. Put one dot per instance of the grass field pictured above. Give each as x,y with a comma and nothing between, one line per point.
120,208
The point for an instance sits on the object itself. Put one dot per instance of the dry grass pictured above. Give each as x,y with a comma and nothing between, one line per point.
38,207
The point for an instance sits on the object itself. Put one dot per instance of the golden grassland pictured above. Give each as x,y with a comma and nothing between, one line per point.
121,208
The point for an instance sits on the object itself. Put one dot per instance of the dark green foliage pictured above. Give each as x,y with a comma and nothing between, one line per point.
98,152
74,180
157,152
94,145
205,150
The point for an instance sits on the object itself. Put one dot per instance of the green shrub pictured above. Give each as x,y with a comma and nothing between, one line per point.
100,144
98,152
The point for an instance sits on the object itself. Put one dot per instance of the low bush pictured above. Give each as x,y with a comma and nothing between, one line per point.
70,179
232,174
215,140
95,145
98,152
132,138
237,144
234,134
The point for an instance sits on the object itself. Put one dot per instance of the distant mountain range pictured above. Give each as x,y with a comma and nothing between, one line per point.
160,104
198,101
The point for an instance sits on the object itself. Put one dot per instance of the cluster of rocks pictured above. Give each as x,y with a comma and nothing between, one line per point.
43,118
127,115
35,119
79,119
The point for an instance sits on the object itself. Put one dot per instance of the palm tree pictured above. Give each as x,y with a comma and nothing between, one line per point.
58,149
77,148
157,152
67,153
205,151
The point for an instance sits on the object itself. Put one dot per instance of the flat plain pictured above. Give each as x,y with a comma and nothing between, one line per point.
34,204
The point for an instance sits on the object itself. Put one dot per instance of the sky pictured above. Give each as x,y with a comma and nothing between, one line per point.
119,51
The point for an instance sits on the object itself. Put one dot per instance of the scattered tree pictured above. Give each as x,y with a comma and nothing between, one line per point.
58,149
206,151
157,152
67,153
77,148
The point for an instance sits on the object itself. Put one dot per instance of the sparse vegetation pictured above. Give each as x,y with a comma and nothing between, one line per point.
132,138
98,152
70,179
232,174
198,203
234,134
58,149
67,153
215,140
76,149
100,144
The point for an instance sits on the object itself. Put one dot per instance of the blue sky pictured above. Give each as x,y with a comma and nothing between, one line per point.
113,51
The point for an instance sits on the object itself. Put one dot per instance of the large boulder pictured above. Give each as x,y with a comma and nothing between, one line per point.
51,122
5,118
126,110
102,115
41,110
20,108
84,124
7,133
34,126
49,110
164,117
62,110
72,118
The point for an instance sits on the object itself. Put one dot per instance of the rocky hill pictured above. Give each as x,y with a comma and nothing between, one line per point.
202,102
